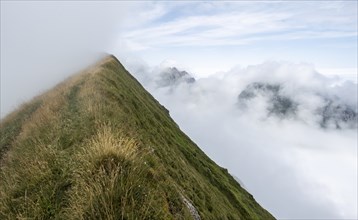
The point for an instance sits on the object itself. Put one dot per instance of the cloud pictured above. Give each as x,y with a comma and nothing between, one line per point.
293,166
240,23
44,42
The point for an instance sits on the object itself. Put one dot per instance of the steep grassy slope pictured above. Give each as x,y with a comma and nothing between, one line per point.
98,146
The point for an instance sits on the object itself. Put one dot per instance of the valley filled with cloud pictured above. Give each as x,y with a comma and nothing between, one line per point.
286,131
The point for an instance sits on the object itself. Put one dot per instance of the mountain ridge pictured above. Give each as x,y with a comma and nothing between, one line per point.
99,146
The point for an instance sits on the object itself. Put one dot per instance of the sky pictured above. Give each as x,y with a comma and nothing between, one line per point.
211,36
293,167
203,37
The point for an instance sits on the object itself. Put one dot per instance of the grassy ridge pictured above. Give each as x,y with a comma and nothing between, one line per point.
98,146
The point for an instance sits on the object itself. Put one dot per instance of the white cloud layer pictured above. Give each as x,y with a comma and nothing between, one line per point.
44,42
294,167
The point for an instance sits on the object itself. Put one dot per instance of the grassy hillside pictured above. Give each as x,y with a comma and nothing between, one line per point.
98,146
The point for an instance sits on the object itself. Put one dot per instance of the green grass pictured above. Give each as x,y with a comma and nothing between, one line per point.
98,146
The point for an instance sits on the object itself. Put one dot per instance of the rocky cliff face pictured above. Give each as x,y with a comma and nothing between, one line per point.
171,76
331,112
279,104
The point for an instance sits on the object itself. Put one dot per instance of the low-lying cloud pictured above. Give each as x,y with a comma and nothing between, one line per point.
286,131
42,43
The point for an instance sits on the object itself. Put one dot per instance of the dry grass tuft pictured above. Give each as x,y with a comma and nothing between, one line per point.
109,180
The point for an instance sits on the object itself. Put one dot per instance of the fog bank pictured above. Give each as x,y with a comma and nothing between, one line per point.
42,43
299,160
